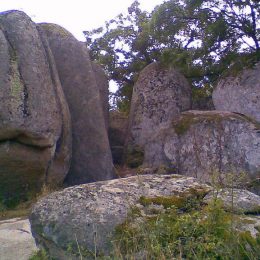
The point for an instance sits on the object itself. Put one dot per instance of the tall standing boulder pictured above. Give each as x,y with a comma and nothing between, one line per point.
91,155
240,93
103,86
159,95
60,166
208,145
32,111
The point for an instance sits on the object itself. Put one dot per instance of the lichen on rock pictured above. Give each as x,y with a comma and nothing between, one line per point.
97,208
240,93
203,144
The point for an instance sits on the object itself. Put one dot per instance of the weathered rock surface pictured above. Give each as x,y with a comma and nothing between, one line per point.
236,200
16,241
118,124
90,212
159,95
207,145
32,110
240,93
60,165
249,223
103,86
91,155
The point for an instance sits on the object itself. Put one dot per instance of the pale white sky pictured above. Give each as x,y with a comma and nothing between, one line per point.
77,15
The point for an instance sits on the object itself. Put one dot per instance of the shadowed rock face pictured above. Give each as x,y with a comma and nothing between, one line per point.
34,118
207,143
240,93
159,95
91,155
102,84
118,123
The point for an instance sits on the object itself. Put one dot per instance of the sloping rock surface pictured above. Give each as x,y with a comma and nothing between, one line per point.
16,241
91,155
240,93
90,212
32,111
208,145
236,200
159,95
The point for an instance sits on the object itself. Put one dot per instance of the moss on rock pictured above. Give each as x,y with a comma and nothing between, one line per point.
188,200
135,156
16,84
187,119
56,28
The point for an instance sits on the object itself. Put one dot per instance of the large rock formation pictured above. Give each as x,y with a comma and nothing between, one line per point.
91,212
91,155
34,117
240,93
159,95
208,145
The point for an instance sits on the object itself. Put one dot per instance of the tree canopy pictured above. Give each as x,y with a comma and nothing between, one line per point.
202,38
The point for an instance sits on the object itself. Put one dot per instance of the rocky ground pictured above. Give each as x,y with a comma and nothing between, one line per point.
16,239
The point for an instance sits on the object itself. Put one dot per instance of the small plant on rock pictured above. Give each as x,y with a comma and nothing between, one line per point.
200,233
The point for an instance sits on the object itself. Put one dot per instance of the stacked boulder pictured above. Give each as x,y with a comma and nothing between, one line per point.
208,145
160,94
163,132
240,93
202,144
47,82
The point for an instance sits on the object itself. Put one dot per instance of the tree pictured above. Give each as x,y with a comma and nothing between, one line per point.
124,47
202,38
214,33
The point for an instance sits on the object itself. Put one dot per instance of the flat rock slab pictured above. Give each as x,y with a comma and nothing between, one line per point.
16,241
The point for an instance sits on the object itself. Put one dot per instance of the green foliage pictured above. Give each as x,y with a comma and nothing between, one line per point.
123,46
183,124
10,203
134,156
202,38
19,204
204,234
40,255
190,200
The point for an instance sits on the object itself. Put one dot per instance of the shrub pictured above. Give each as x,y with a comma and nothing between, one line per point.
208,233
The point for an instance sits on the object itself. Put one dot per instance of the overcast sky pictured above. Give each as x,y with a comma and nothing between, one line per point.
77,15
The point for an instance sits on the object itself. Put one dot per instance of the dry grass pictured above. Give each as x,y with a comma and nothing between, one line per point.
23,209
